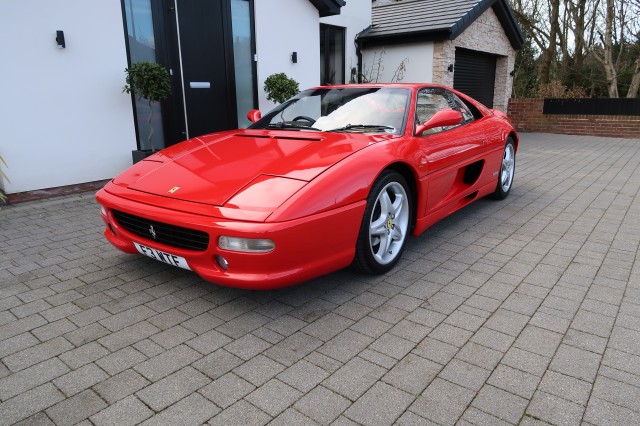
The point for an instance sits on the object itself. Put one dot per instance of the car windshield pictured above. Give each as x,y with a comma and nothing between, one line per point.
345,109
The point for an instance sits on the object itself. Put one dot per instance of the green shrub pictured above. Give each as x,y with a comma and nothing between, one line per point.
279,87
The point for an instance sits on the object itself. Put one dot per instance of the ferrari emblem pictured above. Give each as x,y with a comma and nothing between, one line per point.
152,232
174,189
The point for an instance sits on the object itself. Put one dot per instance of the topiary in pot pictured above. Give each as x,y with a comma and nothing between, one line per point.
279,87
150,81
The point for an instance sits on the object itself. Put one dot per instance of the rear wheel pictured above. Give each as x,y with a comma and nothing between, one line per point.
385,225
507,170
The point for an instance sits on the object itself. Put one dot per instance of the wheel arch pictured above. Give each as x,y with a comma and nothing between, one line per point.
407,172
516,140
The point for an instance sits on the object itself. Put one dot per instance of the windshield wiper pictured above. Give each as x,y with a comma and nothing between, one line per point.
283,125
362,126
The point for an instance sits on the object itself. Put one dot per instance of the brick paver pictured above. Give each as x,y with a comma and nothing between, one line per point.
522,311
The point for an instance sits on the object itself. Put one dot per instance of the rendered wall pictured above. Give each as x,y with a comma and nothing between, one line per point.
381,64
283,27
64,117
355,17
286,26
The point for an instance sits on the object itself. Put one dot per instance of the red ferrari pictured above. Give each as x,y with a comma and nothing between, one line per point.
335,176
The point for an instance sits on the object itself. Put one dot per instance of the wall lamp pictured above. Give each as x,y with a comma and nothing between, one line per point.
294,57
450,68
60,39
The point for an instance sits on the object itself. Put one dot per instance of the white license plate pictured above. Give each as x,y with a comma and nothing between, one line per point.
164,257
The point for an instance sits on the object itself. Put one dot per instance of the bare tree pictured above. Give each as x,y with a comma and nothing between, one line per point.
549,53
589,43
635,81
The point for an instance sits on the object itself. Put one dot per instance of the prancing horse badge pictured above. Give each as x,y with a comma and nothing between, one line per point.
174,189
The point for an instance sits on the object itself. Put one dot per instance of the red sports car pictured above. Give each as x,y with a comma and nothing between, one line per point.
335,176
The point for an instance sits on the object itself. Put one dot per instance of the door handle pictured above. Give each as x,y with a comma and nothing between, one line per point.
199,84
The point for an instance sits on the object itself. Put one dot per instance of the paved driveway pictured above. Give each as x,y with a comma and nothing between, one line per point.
522,311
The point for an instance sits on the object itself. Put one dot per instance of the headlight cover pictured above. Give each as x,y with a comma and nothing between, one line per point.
246,245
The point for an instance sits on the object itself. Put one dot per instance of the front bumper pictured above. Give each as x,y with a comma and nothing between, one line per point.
305,248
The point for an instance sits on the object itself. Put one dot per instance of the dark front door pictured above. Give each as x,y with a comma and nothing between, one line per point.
206,58
475,75
193,39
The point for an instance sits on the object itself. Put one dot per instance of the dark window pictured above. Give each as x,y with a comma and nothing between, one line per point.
331,54
433,99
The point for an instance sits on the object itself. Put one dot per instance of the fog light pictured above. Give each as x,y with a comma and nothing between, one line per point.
246,245
222,262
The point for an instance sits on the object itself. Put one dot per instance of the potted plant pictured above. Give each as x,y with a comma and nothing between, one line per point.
279,87
150,81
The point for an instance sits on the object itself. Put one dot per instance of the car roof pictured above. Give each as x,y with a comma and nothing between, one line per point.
405,85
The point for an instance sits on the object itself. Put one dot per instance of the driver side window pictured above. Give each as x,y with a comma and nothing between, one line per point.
430,101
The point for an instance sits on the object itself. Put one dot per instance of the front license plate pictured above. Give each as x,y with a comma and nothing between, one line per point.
168,258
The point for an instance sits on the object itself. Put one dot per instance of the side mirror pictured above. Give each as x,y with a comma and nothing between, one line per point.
254,115
444,117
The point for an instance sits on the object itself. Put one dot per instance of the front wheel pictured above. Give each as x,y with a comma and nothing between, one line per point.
385,225
507,170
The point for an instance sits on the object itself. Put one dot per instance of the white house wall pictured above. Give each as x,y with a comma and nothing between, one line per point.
281,28
64,117
381,64
355,16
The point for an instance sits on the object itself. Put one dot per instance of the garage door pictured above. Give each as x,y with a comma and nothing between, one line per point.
475,75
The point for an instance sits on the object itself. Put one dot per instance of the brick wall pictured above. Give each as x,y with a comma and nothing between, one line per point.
526,115
487,35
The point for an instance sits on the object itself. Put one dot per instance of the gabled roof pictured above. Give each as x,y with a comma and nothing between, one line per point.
328,7
421,20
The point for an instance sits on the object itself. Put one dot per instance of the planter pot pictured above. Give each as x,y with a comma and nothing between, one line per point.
139,155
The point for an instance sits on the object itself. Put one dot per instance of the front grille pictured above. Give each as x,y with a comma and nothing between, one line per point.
171,235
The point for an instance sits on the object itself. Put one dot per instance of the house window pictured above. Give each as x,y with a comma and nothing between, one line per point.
332,54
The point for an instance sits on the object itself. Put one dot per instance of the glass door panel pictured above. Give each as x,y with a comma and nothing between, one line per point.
141,39
243,59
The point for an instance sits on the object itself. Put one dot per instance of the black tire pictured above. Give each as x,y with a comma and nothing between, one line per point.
385,225
507,171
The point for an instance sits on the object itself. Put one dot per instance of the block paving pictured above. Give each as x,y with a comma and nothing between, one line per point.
523,311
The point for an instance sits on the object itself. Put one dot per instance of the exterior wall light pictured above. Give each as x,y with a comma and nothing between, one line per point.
60,39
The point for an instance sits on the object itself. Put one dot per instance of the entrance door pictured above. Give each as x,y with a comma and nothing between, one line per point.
208,47
205,56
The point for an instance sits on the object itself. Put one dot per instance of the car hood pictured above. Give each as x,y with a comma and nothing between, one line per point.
212,169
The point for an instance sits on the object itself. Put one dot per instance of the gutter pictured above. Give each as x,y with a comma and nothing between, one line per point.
358,44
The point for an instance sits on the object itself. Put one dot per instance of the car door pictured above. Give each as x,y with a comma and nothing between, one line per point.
453,153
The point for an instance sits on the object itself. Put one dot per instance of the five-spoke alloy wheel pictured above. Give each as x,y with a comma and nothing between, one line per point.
386,224
507,170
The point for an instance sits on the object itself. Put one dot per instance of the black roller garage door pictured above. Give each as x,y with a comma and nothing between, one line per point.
475,75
